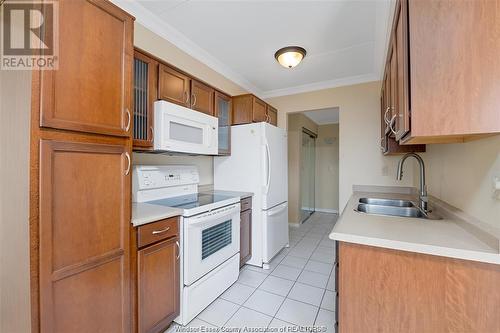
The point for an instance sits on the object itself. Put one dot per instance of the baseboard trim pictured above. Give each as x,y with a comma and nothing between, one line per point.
326,210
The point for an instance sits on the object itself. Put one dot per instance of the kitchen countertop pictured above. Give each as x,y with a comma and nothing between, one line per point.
242,195
143,213
456,235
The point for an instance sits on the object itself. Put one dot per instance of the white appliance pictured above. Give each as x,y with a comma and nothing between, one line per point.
209,232
182,130
258,164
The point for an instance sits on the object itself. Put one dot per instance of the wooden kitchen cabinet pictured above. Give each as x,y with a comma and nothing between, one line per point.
272,115
84,225
399,291
245,230
145,94
223,111
202,97
445,53
174,86
158,285
91,90
248,109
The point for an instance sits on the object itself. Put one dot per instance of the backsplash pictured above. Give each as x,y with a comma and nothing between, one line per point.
204,163
462,175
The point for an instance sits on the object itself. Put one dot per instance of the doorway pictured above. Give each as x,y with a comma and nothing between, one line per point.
307,174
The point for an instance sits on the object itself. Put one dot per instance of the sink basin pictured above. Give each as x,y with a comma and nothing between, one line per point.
387,202
390,210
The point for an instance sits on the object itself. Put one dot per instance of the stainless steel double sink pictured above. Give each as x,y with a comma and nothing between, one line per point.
391,207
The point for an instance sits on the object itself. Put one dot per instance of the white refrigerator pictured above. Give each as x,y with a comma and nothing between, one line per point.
259,164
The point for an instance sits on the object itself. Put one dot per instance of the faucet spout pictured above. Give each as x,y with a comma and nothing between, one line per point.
423,186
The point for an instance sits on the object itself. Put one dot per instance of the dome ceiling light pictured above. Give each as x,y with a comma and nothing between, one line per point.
290,56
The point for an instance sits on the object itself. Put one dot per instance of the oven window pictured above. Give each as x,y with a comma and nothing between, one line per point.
185,133
215,238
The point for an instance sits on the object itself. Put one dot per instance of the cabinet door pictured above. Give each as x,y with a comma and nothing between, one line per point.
259,110
242,109
145,92
223,112
393,112
272,115
173,86
84,226
91,90
245,236
402,125
158,285
202,97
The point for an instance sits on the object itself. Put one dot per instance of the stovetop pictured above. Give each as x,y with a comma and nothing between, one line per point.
197,203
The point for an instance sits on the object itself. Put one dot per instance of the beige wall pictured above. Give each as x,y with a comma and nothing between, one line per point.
360,160
462,174
327,168
14,201
296,123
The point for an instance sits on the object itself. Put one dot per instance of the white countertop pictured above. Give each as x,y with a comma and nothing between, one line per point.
143,213
242,195
454,236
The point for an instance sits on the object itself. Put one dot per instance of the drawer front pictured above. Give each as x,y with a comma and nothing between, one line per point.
246,204
157,231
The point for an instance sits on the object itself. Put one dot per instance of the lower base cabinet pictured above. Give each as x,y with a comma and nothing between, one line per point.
382,290
245,231
158,288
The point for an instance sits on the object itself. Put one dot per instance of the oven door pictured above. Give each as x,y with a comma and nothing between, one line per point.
182,130
209,240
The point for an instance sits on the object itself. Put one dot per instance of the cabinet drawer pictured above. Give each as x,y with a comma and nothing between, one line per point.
157,231
246,204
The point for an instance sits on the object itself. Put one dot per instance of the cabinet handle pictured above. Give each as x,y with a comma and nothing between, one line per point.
129,119
382,144
186,97
157,232
178,250
385,115
193,99
152,133
127,155
391,122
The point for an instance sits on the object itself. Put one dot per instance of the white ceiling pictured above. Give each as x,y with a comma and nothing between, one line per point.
345,40
324,116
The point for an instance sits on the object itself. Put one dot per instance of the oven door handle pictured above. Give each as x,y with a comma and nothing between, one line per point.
211,217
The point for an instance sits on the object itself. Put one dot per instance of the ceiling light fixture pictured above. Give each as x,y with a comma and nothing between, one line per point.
290,56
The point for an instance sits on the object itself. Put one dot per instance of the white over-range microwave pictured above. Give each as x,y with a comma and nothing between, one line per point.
182,130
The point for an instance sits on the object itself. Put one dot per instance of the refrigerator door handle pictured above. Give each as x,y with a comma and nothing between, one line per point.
268,158
277,210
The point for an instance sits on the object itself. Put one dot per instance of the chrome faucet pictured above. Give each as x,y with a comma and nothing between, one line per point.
423,188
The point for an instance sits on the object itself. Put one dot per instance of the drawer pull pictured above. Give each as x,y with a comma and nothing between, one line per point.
178,250
156,232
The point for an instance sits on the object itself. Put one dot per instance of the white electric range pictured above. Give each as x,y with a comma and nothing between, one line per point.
209,232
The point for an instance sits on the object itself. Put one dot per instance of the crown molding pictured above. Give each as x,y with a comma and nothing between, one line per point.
166,31
321,85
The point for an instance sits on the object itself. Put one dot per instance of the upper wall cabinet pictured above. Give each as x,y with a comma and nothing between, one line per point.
91,90
202,97
174,86
223,109
145,94
447,57
248,109
272,115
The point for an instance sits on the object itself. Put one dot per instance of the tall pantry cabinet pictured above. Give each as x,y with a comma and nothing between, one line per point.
80,174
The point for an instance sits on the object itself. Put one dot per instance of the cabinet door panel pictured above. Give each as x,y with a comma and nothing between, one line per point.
84,237
223,108
145,93
202,97
272,115
245,236
402,125
173,86
259,110
158,286
91,90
